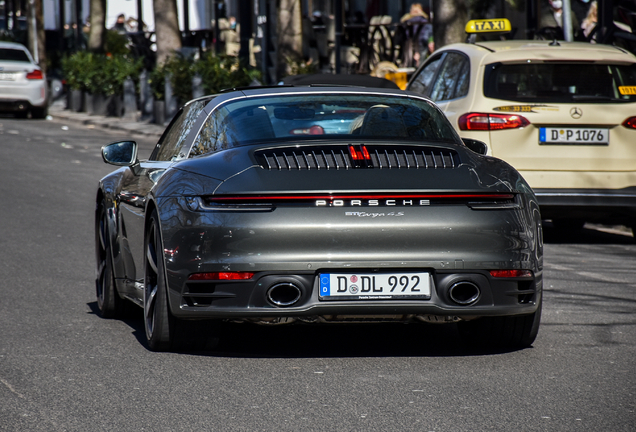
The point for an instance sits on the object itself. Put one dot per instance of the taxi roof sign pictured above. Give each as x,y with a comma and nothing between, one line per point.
498,25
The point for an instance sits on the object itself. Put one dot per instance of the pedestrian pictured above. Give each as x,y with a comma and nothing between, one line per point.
418,35
551,21
589,23
120,24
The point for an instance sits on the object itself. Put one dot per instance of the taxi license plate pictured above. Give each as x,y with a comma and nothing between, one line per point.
580,136
375,286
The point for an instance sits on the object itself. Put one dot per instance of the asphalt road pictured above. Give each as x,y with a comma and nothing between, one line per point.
63,368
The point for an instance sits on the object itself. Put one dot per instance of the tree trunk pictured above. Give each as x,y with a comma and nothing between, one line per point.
37,38
449,21
97,33
289,33
166,29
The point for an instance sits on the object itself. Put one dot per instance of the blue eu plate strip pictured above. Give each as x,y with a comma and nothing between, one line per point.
542,135
324,285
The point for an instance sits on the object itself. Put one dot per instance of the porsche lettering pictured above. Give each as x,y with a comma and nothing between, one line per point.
372,202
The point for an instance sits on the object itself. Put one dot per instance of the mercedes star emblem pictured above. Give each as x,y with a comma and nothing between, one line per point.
576,112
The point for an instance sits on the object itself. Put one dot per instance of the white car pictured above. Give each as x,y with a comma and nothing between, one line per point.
563,114
23,87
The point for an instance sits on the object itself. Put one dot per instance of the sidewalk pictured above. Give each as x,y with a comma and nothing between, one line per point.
57,110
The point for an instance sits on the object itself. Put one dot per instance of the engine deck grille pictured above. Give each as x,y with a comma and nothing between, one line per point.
341,157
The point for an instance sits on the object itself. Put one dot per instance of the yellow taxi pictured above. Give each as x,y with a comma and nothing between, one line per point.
562,113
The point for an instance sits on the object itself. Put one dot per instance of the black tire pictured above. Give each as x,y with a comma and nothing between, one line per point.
39,112
516,332
165,332
110,304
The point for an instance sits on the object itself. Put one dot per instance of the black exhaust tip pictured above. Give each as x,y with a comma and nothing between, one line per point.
464,293
284,294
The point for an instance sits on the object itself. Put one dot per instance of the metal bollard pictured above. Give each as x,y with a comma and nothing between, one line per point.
171,100
197,86
145,96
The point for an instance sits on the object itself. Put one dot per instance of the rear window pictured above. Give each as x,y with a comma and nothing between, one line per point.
561,82
10,54
294,117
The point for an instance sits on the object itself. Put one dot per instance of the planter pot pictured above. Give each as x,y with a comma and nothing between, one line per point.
159,109
116,108
88,103
75,100
101,104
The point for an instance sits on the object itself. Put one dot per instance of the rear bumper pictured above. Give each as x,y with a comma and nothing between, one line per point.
21,96
249,300
15,105
613,205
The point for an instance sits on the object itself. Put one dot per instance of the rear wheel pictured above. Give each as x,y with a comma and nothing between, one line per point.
518,331
157,317
108,301
164,331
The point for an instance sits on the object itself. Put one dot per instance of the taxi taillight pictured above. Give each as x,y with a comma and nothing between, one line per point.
630,123
488,121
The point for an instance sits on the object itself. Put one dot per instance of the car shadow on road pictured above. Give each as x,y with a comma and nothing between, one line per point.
589,234
248,340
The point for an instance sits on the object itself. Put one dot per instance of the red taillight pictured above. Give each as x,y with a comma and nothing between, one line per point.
314,130
359,153
35,75
630,123
486,121
221,276
511,273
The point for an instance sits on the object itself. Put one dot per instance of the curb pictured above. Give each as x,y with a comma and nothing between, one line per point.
113,123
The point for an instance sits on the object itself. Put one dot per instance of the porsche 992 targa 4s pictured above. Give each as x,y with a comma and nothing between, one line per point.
317,205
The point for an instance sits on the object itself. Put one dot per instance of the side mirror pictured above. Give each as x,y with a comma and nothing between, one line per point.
477,146
121,153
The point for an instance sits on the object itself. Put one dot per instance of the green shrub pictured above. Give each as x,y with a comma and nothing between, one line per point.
116,44
156,81
223,72
78,70
181,71
99,73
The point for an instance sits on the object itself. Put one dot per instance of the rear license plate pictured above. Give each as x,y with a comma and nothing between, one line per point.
375,286
580,136
7,76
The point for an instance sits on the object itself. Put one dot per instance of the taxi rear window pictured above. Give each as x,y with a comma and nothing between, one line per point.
561,82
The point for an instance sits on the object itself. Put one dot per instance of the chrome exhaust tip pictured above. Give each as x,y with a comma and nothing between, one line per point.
464,293
284,294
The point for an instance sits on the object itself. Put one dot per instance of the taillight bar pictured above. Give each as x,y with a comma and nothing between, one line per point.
490,121
299,197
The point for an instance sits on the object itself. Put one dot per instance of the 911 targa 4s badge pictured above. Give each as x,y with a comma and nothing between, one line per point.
253,207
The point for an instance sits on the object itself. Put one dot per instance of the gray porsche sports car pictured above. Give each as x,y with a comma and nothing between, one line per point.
317,205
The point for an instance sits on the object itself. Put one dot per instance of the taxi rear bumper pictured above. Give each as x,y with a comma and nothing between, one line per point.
602,205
